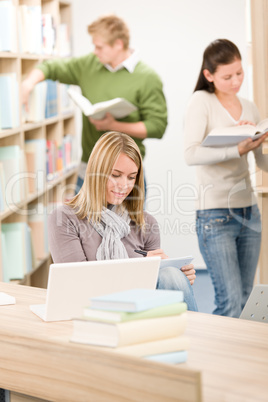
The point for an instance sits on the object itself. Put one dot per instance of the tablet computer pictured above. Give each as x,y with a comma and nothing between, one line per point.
177,262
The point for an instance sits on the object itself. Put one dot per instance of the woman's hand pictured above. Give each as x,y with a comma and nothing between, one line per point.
244,122
159,252
189,271
249,145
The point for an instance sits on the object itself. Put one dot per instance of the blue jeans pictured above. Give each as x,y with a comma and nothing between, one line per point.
173,279
229,241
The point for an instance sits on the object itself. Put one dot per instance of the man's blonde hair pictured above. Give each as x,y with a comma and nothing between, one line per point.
92,197
110,28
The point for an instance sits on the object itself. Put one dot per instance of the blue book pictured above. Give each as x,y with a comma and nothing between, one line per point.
52,99
16,264
171,357
134,300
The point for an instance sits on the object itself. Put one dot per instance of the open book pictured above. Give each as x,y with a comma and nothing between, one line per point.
226,136
118,107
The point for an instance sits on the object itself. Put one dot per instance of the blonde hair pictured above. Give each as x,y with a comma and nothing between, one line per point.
92,197
110,28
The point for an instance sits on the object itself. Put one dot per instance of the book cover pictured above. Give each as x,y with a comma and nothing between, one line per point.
14,263
134,300
127,333
35,151
122,316
118,107
6,100
8,32
227,136
2,189
51,107
37,220
10,158
169,358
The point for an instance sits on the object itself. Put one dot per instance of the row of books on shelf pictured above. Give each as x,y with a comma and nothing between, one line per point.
36,31
24,244
43,103
27,172
147,323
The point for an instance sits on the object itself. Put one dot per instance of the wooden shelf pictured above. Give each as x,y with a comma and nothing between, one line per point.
53,129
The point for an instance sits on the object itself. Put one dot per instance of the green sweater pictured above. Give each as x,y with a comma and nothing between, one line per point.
143,88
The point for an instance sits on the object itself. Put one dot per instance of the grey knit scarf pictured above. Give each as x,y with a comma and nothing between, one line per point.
112,228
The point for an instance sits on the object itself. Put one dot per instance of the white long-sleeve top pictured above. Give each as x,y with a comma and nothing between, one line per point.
223,178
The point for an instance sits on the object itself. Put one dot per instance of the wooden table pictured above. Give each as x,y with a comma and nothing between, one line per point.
37,359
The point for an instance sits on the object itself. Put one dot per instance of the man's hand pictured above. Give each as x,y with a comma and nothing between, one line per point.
105,124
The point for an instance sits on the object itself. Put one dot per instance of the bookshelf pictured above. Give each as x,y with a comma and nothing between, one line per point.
17,58
259,28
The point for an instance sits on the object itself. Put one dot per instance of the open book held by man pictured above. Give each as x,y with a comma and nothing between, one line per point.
227,136
118,107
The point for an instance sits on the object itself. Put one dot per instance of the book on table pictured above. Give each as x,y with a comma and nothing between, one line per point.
118,107
122,316
227,136
176,357
134,300
127,333
159,346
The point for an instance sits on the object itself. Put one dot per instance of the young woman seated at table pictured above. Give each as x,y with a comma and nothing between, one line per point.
106,220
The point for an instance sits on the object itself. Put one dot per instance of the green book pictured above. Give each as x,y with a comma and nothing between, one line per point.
122,316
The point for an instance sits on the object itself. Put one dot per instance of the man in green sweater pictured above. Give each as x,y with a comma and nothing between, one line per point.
112,70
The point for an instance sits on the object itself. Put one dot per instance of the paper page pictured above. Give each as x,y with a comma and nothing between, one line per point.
6,299
81,101
262,126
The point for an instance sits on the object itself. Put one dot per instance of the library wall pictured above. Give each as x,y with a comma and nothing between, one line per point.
259,27
38,147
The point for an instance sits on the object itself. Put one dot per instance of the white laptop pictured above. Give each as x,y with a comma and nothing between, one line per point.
256,308
71,285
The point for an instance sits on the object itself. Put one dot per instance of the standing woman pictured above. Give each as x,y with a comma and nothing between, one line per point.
105,220
228,220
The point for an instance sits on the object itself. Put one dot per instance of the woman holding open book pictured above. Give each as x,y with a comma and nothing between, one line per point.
106,220
228,220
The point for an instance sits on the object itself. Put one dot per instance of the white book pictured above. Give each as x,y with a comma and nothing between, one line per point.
8,27
118,107
227,136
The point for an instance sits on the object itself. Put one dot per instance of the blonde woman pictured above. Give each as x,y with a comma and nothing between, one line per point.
106,220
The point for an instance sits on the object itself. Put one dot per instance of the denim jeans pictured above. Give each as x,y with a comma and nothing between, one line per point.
229,241
173,279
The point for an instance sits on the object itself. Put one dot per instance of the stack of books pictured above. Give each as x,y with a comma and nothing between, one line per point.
144,323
